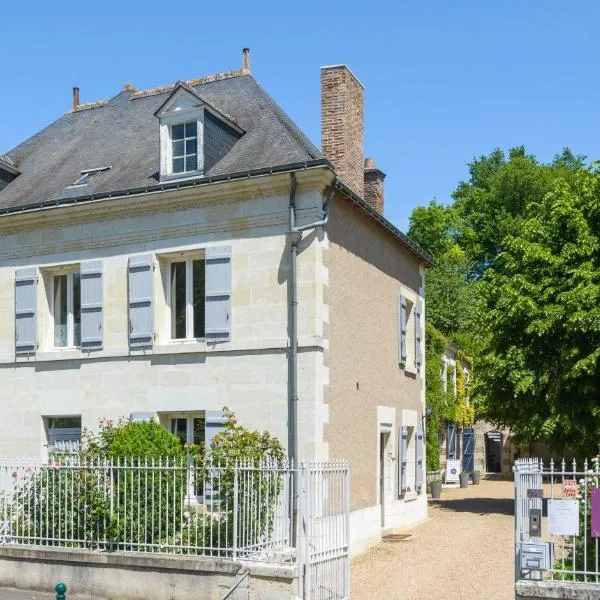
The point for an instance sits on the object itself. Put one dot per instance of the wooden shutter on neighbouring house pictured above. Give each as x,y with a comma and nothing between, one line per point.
402,460
402,322
419,465
451,441
418,336
25,335
141,286
218,293
92,301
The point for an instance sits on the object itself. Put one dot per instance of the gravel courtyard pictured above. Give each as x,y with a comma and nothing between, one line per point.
464,552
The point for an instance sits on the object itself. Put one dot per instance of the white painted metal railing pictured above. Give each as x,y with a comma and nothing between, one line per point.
242,511
575,556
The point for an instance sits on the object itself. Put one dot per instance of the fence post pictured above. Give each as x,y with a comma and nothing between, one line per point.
517,518
235,510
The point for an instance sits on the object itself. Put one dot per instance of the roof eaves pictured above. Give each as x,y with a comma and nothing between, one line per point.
403,238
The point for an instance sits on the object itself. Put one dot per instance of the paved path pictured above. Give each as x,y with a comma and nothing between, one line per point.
464,552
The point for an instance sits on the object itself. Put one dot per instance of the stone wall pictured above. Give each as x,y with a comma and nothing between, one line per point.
555,590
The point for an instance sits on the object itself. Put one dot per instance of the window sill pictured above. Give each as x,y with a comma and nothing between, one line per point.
181,347
410,496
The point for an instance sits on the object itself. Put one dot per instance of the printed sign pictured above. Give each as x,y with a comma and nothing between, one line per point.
452,470
570,488
563,517
596,512
535,493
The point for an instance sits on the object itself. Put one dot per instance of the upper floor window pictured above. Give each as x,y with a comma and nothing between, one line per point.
66,305
186,299
184,147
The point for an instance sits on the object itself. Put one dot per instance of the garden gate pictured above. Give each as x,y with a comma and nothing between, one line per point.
325,521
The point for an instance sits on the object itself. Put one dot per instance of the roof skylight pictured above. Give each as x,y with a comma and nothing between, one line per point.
88,174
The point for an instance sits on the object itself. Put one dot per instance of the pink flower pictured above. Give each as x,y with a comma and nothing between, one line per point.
14,474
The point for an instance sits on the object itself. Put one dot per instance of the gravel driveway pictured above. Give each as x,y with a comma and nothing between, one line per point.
464,552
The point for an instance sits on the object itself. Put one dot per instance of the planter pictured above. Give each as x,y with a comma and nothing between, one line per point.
464,480
476,476
436,489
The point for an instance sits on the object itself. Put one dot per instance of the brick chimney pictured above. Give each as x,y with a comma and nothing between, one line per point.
343,124
373,185
75,97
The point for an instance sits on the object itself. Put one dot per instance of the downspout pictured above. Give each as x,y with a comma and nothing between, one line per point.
296,238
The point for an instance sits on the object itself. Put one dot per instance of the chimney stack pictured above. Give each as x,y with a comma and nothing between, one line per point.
342,124
246,61
373,185
75,97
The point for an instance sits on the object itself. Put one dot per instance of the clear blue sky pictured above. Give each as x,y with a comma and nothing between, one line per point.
445,80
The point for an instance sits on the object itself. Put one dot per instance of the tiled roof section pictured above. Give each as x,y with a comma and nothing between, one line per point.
125,134
89,105
7,160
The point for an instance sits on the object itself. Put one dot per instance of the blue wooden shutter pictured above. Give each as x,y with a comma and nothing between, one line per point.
419,465
92,296
418,334
25,285
402,329
402,460
218,293
451,441
141,286
468,449
214,422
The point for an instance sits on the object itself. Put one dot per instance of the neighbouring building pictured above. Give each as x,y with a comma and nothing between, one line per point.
162,252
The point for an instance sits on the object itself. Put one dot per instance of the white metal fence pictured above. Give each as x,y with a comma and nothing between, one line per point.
243,511
557,520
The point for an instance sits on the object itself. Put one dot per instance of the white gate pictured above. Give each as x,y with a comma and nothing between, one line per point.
325,520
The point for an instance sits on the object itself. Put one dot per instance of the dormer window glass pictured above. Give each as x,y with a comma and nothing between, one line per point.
184,144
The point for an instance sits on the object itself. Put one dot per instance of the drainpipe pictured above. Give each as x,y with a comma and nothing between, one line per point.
296,238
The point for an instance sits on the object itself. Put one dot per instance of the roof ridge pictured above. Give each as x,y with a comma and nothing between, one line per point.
88,106
191,82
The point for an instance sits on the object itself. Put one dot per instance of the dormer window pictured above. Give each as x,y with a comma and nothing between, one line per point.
184,145
194,134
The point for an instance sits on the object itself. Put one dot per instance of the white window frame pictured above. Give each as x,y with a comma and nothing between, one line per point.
183,173
69,432
69,272
167,122
188,259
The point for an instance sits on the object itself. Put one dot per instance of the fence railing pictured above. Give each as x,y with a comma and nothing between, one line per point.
557,520
161,505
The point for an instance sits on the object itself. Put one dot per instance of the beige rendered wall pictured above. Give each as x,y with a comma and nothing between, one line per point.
368,270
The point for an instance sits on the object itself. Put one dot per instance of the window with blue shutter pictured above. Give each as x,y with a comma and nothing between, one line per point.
218,293
141,294
25,304
418,334
402,326
92,301
402,460
419,465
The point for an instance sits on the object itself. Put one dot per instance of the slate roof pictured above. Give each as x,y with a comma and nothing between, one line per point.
123,133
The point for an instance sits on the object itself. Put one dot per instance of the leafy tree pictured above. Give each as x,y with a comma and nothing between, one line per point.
540,373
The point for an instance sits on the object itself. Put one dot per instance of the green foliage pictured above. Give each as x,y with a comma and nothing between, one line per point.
146,439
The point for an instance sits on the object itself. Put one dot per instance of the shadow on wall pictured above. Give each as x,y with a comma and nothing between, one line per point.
481,506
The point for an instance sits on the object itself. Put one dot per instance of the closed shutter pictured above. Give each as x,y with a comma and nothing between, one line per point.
419,467
25,284
402,318
218,293
418,334
141,286
402,460
92,299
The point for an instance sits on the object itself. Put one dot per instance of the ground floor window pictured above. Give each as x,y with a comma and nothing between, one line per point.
63,433
190,429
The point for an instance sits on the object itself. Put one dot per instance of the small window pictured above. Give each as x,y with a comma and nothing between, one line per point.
184,147
189,429
63,433
186,299
88,175
66,309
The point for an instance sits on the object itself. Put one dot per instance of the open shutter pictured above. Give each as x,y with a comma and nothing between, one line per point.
418,334
402,460
214,421
92,296
25,338
141,322
419,467
402,329
218,293
451,441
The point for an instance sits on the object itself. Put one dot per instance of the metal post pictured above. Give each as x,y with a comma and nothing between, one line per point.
61,591
235,511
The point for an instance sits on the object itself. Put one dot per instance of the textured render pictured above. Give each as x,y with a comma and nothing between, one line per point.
141,576
342,124
367,271
249,374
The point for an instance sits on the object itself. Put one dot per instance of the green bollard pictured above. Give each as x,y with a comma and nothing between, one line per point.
61,591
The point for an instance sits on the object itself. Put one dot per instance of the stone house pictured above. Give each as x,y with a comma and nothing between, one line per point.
172,251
